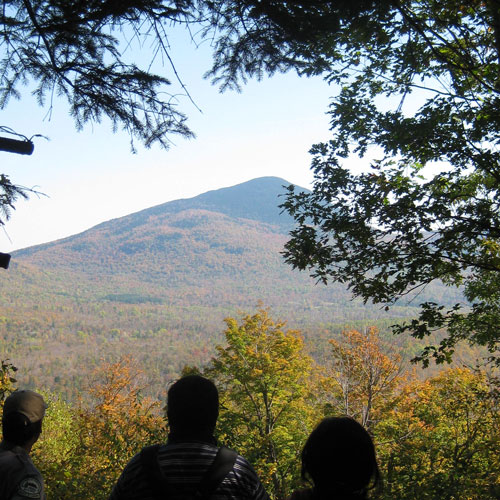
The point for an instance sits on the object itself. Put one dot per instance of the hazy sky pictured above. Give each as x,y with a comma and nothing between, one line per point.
92,176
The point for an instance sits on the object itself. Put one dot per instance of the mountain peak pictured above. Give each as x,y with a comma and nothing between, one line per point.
257,199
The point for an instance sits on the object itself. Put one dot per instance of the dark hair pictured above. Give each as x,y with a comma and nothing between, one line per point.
17,428
193,406
339,457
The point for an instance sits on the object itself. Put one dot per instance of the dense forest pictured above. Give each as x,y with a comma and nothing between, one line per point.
160,282
436,435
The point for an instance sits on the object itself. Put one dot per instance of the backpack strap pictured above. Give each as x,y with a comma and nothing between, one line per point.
152,469
213,477
218,470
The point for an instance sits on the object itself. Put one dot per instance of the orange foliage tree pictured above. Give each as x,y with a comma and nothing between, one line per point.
363,377
103,435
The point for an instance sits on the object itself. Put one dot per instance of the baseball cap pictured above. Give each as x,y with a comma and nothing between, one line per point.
29,403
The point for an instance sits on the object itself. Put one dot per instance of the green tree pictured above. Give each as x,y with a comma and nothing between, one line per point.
426,206
57,450
265,382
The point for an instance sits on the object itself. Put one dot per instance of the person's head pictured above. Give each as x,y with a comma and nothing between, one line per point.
192,407
23,412
339,458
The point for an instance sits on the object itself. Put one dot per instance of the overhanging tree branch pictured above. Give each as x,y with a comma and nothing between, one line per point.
22,147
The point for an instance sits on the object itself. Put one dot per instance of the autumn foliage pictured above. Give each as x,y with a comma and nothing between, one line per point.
436,437
266,381
363,377
84,447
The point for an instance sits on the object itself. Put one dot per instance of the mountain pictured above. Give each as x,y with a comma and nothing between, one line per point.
158,283
255,200
224,245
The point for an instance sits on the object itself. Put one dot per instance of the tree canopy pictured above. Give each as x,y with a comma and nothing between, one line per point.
75,50
266,381
434,438
82,51
418,102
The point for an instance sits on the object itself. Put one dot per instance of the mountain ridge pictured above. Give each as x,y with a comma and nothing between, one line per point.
234,201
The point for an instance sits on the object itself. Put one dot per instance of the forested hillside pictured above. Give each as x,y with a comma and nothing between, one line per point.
158,283
436,438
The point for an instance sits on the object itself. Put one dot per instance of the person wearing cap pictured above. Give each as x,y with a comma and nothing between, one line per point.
23,412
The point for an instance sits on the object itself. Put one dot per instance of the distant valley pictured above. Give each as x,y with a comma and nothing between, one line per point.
158,284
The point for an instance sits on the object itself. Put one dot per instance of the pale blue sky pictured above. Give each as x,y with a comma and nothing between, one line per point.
91,176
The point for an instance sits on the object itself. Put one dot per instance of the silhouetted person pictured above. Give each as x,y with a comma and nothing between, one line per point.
339,459
23,412
190,465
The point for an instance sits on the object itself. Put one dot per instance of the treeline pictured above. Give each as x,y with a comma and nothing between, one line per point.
436,438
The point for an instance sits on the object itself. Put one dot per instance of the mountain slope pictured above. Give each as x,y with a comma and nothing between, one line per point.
221,239
221,248
158,283
255,200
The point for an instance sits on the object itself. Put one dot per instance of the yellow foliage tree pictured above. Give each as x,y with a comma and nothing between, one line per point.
266,386
7,380
119,424
442,439
84,449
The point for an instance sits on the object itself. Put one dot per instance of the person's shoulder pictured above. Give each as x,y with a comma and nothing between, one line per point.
30,487
8,457
247,480
16,459
133,463
21,474
186,450
243,463
130,483
244,470
190,445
